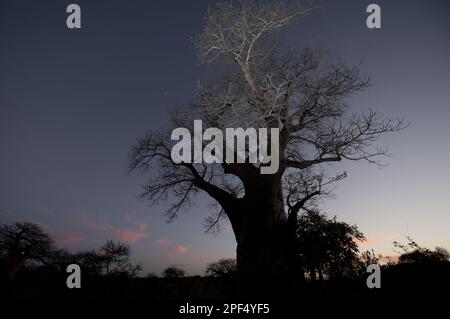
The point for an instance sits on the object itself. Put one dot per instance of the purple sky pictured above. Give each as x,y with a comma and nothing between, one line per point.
72,102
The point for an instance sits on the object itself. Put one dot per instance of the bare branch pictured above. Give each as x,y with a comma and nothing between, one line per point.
303,93
180,181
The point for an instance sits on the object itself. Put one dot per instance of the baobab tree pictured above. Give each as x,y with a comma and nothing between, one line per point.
262,84
23,242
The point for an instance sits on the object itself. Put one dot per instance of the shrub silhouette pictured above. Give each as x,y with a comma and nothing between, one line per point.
112,259
222,268
413,253
173,272
116,259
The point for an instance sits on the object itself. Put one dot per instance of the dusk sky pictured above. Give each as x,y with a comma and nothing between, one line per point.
73,102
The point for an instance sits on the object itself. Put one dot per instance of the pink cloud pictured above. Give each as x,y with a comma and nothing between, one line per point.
376,240
129,236
61,236
171,250
180,249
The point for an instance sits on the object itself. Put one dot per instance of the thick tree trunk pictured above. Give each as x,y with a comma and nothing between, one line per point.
266,242
266,252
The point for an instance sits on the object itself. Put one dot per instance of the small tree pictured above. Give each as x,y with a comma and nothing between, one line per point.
91,262
222,268
366,258
173,272
116,259
60,258
327,246
412,252
112,259
22,242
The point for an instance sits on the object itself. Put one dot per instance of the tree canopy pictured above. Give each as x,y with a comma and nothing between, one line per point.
264,84
22,242
225,267
173,272
327,246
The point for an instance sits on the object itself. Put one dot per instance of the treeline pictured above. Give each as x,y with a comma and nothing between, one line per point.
328,250
26,246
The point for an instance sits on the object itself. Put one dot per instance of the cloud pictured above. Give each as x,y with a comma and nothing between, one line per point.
171,250
180,249
376,240
127,235
60,236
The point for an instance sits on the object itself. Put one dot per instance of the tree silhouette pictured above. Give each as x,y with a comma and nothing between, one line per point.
327,246
366,258
91,262
151,275
112,259
264,85
429,269
222,268
116,258
173,272
22,242
412,252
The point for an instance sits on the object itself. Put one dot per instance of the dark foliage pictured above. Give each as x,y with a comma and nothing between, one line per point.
173,272
225,268
327,246
21,243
